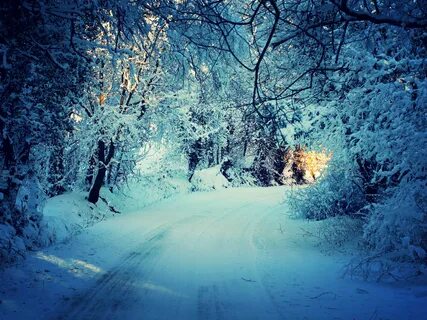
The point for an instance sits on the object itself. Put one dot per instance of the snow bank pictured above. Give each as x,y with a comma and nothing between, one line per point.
67,214
159,174
20,223
143,191
61,218
209,179
11,245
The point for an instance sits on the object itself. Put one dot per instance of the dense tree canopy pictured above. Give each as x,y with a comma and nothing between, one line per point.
85,85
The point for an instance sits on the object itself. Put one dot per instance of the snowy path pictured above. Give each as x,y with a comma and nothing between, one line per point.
229,254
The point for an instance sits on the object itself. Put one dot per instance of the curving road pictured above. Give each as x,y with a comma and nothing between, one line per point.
229,254
201,266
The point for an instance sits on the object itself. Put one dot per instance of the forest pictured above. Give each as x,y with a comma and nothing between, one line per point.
108,107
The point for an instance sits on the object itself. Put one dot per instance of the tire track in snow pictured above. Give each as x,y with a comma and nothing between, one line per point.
118,288
213,288
209,305
220,298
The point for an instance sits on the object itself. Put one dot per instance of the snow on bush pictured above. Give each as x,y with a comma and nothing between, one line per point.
160,173
396,228
337,193
388,130
397,225
60,218
66,215
209,179
144,190
376,128
20,230
12,246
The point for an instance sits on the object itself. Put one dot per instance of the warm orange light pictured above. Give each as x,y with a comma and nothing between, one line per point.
101,99
314,162
305,166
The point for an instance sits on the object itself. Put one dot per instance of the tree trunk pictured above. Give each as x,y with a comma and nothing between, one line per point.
90,171
102,169
194,157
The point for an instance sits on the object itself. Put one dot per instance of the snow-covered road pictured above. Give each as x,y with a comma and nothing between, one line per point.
228,254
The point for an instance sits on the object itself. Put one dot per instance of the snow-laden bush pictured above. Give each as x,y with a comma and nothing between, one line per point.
58,219
398,225
66,215
339,189
20,229
143,190
336,193
377,121
160,173
239,171
11,245
388,126
242,177
209,179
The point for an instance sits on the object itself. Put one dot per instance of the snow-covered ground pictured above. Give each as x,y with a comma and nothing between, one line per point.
226,254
